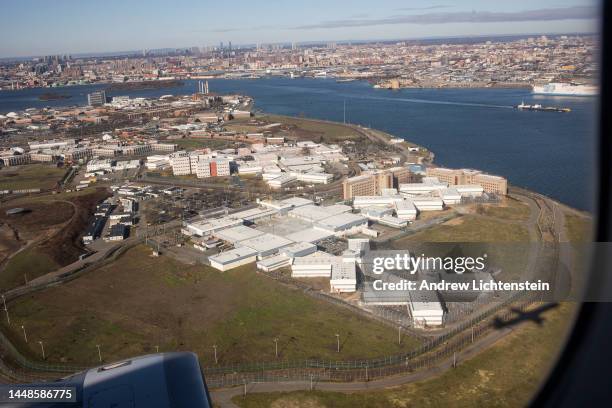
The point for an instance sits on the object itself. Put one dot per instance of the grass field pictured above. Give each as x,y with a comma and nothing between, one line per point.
43,176
506,375
50,227
327,132
509,209
27,264
469,228
140,302
193,144
579,229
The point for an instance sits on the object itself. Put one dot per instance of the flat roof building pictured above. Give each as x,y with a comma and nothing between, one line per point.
266,244
233,258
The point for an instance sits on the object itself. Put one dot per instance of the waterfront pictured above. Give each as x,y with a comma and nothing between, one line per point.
550,153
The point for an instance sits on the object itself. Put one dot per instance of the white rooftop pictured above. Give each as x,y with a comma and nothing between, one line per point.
237,234
311,235
266,242
233,255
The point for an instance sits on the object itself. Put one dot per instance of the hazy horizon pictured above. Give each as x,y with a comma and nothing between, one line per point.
84,27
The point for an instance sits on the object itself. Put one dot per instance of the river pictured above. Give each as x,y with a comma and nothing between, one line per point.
551,153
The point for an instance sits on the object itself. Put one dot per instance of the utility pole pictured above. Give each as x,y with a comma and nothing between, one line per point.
338,340
25,336
215,347
276,346
99,352
455,359
157,349
42,348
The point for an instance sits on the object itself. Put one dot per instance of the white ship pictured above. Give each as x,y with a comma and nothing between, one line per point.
559,88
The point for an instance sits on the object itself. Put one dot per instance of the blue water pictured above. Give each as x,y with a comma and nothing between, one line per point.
551,153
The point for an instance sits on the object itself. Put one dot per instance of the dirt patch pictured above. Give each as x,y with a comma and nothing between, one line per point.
454,221
290,402
37,216
65,247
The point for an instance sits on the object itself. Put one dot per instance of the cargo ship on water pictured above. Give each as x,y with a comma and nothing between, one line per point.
540,108
565,89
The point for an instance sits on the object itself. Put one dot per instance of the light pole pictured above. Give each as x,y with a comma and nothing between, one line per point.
276,347
399,332
157,349
338,340
215,347
8,319
99,352
25,336
42,348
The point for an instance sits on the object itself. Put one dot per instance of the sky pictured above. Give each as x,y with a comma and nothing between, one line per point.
45,27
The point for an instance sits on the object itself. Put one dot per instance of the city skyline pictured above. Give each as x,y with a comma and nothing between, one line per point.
53,28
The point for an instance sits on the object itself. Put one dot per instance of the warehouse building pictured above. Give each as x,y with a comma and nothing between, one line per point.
299,249
208,227
313,213
266,244
316,265
311,235
343,224
380,201
274,262
237,234
284,206
233,258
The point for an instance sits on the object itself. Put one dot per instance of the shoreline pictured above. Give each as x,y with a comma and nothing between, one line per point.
109,84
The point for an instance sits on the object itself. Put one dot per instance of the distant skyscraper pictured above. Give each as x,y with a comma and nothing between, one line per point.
96,98
230,46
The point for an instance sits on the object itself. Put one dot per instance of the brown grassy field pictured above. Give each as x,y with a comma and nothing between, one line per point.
506,375
140,302
51,230
43,176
